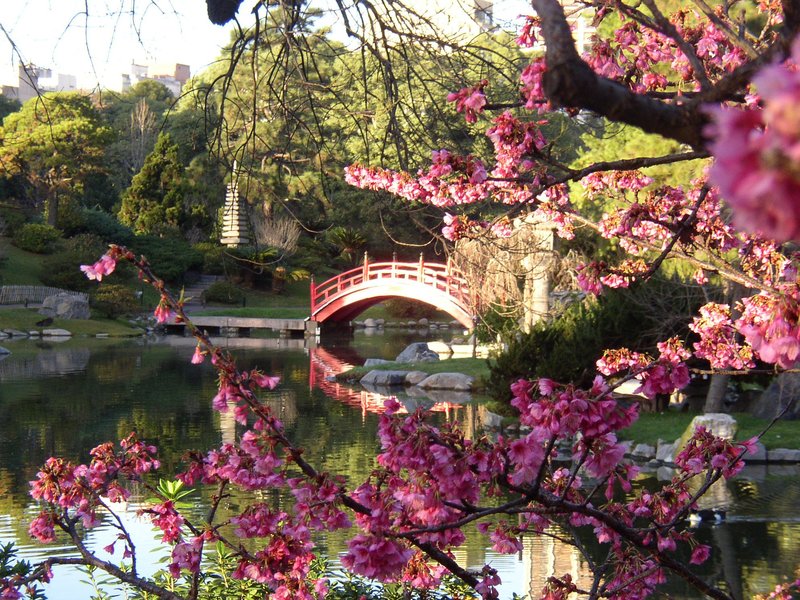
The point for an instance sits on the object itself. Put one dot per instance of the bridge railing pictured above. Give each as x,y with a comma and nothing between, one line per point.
440,276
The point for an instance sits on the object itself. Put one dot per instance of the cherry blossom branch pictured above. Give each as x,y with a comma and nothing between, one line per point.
89,559
571,83
688,50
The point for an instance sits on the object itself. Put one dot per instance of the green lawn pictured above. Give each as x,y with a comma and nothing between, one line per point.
670,425
18,267
25,320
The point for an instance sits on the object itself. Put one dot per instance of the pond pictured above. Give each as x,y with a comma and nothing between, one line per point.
62,399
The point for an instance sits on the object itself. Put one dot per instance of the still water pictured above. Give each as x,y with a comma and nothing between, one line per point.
62,399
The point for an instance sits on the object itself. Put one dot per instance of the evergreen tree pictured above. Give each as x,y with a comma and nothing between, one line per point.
154,203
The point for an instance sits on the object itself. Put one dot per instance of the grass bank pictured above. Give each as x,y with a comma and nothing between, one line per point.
18,267
670,425
25,319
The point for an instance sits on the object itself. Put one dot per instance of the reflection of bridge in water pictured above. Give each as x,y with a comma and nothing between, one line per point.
325,363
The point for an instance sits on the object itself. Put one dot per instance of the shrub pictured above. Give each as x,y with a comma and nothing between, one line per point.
224,293
567,348
170,257
10,221
105,226
213,257
401,308
36,237
114,300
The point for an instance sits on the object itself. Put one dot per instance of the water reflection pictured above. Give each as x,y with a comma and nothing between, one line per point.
64,400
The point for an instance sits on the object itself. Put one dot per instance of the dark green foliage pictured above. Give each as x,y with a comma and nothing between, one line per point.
402,308
566,349
105,226
62,269
37,238
154,201
10,220
171,257
8,106
114,300
213,257
224,293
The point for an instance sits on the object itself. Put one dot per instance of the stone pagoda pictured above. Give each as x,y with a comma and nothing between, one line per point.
235,224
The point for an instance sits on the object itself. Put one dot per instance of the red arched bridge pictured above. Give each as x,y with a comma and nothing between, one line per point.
341,298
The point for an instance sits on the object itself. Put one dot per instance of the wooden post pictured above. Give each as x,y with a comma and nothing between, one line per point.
394,264
365,272
313,294
421,271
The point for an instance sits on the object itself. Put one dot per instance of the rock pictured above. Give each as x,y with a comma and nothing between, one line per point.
784,389
759,456
644,451
417,352
380,322
440,348
720,424
65,306
3,335
15,333
4,351
448,396
423,322
783,455
414,377
34,333
411,324
384,378
370,323
101,335
56,333
448,381
371,362
665,451
490,420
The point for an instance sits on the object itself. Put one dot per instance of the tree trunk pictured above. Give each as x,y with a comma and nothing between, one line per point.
716,394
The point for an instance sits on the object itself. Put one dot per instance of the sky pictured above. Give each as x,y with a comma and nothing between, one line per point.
56,34
97,49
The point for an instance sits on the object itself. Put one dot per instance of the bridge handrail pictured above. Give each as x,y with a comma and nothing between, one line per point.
441,276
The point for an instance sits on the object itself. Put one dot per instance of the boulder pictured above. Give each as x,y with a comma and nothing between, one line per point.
371,362
370,323
490,420
15,333
448,396
56,333
423,322
644,451
4,351
65,306
665,451
384,378
417,352
447,381
440,348
720,424
414,377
